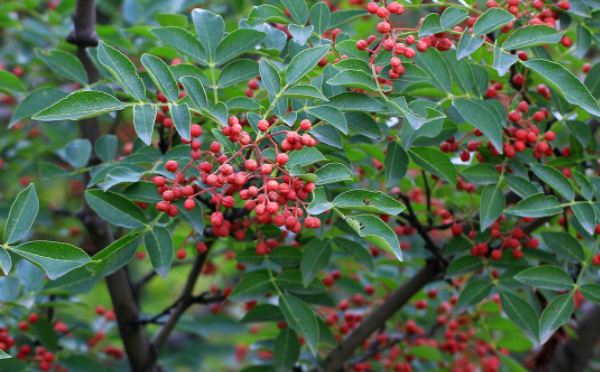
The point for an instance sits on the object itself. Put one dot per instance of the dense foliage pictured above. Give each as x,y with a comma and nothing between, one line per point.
297,185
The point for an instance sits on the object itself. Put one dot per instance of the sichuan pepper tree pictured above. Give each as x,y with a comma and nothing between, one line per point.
373,186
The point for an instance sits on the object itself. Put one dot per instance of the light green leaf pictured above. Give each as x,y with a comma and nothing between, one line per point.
430,25
298,9
122,70
546,277
5,261
182,41
286,351
116,209
22,215
161,76
536,206
452,16
144,117
209,28
270,77
267,13
304,61
564,245
531,36
55,258
565,83
377,232
503,60
555,179
300,33
315,257
159,245
64,64
182,119
434,161
81,105
368,201
319,203
236,43
468,44
491,20
557,313
301,319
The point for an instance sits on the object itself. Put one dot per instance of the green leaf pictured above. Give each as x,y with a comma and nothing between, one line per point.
267,13
298,9
483,116
286,256
473,293
236,43
521,313
333,172
555,179
65,64
564,245
481,174
144,117
300,33
3,355
304,61
468,44
270,77
78,152
354,101
159,245
209,28
304,91
263,313
491,20
430,25
354,79
11,84
320,16
251,286
193,217
452,16
122,70
182,119
396,164
286,351
238,71
306,156
377,232
463,265
106,147
22,215
55,258
503,60
315,257
182,41
35,102
344,16
161,76
557,313
301,319
330,115
531,36
195,91
81,105
585,186
585,214
116,255
116,209
546,277
434,65
591,292
583,41
360,253
491,206
82,363
427,352
5,261
434,161
536,206
319,203
368,201
565,83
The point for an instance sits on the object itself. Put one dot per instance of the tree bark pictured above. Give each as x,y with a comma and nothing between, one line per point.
139,351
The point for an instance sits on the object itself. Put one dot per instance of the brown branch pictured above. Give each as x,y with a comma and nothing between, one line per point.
182,304
335,361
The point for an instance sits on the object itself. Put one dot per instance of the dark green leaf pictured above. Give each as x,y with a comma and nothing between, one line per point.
182,41
368,201
555,179
286,351
159,245
78,152
144,117
122,70
301,319
491,20
521,313
55,258
64,64
304,61
492,205
377,232
564,245
435,162
546,277
161,76
22,214
209,28
536,206
530,36
81,105
236,43
298,9
116,209
557,313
